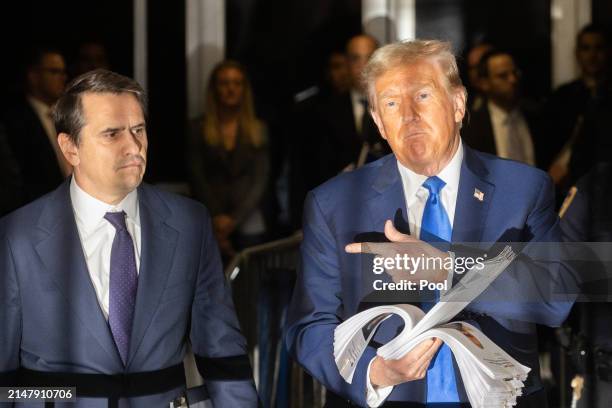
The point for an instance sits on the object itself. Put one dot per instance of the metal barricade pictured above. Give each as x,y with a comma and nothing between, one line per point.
262,279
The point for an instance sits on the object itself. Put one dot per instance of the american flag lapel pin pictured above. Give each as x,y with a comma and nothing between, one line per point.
479,195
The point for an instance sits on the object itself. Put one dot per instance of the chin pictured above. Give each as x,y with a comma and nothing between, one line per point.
131,183
419,155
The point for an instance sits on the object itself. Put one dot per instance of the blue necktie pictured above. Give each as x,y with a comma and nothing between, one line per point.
436,227
123,284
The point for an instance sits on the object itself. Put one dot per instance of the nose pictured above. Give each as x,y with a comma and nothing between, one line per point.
133,143
409,111
513,77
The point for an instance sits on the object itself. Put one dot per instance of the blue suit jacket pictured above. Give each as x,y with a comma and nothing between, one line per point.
332,285
50,319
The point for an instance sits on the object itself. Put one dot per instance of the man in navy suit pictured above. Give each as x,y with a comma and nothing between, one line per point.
104,280
436,188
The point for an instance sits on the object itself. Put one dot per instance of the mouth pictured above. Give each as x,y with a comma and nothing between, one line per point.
131,165
413,134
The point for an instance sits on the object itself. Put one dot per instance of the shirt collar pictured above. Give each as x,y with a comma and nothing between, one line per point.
357,97
41,108
89,211
499,115
449,174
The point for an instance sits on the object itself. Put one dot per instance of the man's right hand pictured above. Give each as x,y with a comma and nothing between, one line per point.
413,366
406,245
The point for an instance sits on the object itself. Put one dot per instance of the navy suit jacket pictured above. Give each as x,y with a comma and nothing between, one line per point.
50,319
332,285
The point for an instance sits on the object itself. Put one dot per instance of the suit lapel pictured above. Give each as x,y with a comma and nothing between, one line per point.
470,211
389,202
158,245
60,250
473,199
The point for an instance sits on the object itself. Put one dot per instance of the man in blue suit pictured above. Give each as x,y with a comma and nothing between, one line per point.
104,280
438,189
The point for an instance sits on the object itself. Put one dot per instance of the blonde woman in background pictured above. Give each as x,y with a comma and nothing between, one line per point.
228,159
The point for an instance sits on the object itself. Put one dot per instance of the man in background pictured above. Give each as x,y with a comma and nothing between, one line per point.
473,58
502,125
347,130
90,55
574,103
335,132
30,128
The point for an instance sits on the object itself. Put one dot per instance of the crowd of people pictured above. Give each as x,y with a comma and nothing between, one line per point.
229,147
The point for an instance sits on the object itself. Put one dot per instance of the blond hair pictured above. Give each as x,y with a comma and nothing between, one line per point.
249,126
411,52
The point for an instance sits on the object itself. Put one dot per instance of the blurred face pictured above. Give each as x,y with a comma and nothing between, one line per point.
110,160
92,56
338,72
473,58
591,54
358,52
418,116
230,87
48,80
502,83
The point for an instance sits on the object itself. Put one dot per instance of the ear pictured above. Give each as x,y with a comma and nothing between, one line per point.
69,149
459,103
379,123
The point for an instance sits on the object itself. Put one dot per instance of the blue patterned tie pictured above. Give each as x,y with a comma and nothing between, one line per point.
436,227
123,284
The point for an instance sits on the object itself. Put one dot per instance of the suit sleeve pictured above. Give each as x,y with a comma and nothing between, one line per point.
316,307
10,317
538,287
218,344
10,177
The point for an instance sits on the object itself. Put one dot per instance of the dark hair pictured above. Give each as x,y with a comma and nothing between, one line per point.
483,64
68,110
593,28
35,55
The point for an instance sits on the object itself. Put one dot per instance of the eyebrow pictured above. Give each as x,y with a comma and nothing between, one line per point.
388,93
113,129
120,128
415,87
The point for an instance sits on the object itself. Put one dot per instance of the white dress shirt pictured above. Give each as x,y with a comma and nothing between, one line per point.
416,198
97,235
358,108
512,137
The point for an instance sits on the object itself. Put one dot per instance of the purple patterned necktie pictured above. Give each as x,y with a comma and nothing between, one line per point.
123,284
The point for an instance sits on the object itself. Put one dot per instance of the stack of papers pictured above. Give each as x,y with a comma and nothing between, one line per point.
492,378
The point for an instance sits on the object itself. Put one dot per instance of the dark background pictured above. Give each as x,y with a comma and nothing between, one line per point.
283,44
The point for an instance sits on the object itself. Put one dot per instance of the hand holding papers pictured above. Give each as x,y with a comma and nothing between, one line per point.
492,378
410,367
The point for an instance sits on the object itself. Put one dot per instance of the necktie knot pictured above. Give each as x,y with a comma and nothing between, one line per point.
434,184
117,219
